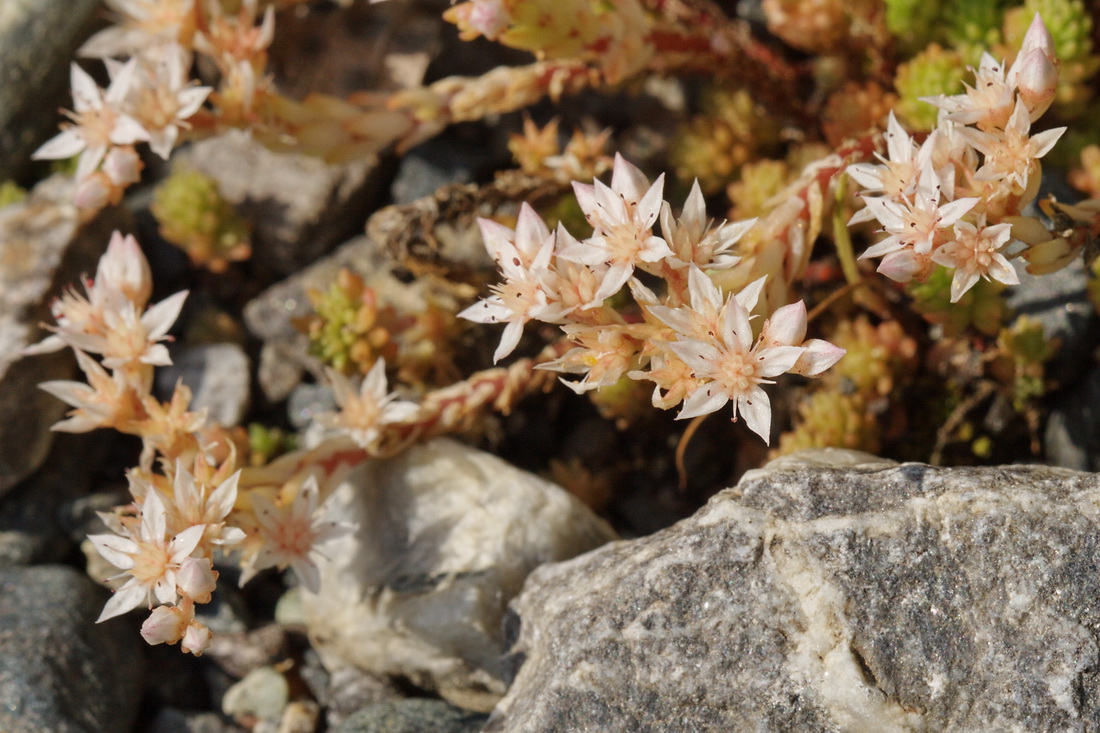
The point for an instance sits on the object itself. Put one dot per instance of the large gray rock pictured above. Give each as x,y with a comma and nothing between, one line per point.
43,249
38,41
824,595
447,535
59,670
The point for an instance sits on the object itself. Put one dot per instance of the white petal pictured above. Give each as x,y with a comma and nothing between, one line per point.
778,359
160,317
65,145
126,598
115,549
508,340
756,408
703,401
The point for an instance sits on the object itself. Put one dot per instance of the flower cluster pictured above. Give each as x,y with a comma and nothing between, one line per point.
948,201
165,542
151,97
698,346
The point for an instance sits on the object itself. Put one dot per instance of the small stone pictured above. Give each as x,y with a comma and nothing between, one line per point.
261,695
171,720
219,376
1072,437
412,716
59,670
1060,302
447,535
826,593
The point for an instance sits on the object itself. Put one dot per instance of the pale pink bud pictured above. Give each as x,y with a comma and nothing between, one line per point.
196,579
1037,82
124,268
489,18
123,166
1038,38
93,192
818,356
196,639
165,625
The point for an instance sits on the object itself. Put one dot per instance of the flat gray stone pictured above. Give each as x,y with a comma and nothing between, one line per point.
447,535
59,670
412,716
824,595
219,376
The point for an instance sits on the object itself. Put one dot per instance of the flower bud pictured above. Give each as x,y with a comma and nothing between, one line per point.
196,639
1037,81
124,268
165,625
196,579
1038,38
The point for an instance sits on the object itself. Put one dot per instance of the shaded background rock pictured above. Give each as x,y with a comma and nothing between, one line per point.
219,376
447,534
813,597
38,41
301,206
412,716
43,249
59,670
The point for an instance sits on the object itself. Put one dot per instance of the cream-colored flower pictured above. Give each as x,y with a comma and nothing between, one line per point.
366,409
150,557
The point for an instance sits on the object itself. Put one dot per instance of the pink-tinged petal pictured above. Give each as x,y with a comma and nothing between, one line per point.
128,131
64,145
89,161
78,423
493,233
160,317
489,310
756,409
115,549
694,215
47,345
586,197
1044,141
125,599
613,281
883,247
121,82
163,140
627,179
650,205
1037,82
963,280
818,356
735,323
77,394
154,355
185,542
230,536
508,340
750,294
222,499
680,320
190,100
787,326
196,639
703,293
703,401
778,359
531,230
164,589
196,579
374,384
165,624
867,175
1001,270
153,518
86,93
698,355
900,266
952,212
